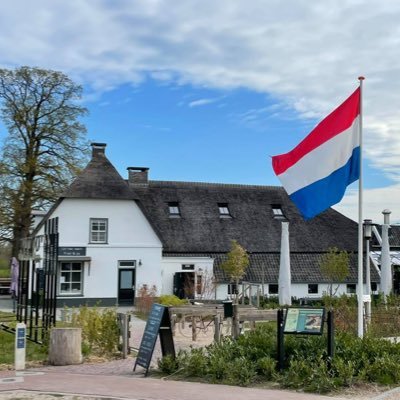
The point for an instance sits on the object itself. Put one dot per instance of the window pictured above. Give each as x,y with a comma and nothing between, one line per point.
173,208
127,264
70,282
374,286
351,288
224,210
312,288
277,211
98,230
199,286
232,288
273,288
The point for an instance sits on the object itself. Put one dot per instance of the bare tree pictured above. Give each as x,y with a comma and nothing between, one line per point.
45,146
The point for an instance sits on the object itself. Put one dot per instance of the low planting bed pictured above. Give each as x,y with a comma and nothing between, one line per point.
251,360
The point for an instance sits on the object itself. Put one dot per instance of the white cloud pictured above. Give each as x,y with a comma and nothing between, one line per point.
374,202
201,102
306,54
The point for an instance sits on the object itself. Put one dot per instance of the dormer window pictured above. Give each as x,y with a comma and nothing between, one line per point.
224,210
173,208
277,211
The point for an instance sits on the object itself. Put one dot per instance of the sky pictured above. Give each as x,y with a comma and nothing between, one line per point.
209,90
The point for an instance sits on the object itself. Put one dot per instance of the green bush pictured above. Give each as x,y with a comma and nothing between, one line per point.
252,358
100,330
168,364
171,300
240,371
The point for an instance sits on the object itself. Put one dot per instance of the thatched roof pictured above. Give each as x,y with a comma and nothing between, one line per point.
99,180
305,267
252,223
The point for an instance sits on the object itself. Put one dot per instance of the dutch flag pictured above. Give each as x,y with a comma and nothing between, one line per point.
317,171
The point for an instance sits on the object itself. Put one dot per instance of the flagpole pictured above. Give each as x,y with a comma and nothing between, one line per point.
360,318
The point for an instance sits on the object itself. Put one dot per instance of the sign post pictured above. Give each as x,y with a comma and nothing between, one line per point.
303,321
20,346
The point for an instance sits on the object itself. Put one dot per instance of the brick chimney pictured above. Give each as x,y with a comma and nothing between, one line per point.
98,148
138,175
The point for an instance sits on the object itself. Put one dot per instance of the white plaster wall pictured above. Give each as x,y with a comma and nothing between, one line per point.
127,226
299,290
130,237
203,265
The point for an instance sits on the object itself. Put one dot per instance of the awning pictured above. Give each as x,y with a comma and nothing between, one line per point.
74,258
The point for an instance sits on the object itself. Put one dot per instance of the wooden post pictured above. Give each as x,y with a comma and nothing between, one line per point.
194,333
173,324
235,321
217,328
65,346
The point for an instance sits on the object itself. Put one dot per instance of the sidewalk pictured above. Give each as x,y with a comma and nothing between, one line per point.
136,387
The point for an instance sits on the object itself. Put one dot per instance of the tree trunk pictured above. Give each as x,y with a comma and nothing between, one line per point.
65,346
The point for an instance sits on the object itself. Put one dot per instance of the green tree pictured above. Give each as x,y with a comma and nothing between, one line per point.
236,264
44,148
335,268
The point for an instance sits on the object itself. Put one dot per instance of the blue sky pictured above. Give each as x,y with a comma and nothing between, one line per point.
207,91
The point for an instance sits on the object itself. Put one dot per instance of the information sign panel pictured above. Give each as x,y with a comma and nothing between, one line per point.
304,320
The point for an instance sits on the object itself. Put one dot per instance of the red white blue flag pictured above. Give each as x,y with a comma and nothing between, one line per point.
318,170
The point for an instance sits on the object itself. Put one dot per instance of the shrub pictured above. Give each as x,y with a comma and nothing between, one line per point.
168,364
171,300
100,330
240,371
266,367
252,357
146,299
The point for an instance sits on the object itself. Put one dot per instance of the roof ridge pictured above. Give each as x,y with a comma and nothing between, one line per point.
212,184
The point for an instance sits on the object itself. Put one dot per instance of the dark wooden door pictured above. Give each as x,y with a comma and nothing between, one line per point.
126,286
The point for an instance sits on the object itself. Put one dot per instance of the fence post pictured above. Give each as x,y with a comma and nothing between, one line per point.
194,333
217,328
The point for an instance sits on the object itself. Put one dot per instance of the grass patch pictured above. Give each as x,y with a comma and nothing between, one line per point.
5,273
34,352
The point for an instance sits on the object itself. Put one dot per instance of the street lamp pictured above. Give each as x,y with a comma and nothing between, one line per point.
367,236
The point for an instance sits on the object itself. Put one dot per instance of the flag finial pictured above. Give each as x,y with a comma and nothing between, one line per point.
361,78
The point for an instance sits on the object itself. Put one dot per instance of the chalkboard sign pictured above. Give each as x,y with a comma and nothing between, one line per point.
158,322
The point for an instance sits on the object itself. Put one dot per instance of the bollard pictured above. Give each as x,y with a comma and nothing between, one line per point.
20,346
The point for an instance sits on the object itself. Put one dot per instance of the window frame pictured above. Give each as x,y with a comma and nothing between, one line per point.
232,289
70,293
275,286
174,211
351,288
313,288
277,212
224,211
91,231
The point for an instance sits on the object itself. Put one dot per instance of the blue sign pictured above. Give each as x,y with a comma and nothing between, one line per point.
21,338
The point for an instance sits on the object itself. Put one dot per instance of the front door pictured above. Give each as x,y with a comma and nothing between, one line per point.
184,285
126,286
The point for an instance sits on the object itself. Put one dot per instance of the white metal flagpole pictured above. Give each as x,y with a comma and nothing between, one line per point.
360,318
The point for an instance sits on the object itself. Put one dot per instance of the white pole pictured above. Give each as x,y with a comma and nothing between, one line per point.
360,318
386,264
368,283
285,296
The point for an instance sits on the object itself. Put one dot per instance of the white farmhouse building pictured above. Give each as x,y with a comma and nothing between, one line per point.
117,235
